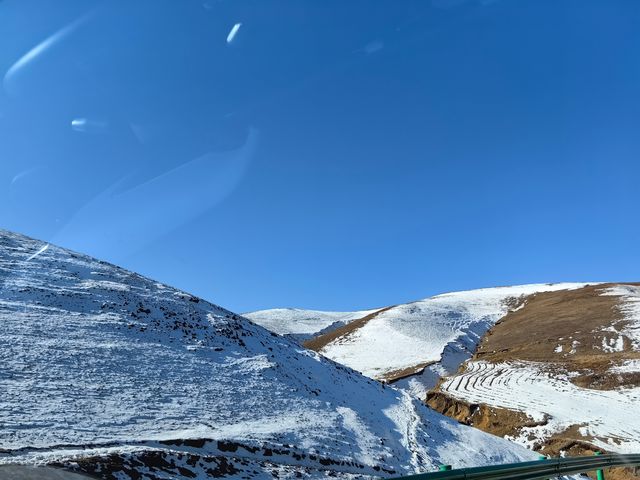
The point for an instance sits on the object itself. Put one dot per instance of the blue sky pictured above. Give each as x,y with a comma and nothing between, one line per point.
332,155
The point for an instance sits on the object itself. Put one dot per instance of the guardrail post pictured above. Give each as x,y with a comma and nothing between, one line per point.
445,468
542,457
599,473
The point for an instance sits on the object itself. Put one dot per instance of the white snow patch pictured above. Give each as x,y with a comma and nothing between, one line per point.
628,366
574,347
613,344
630,308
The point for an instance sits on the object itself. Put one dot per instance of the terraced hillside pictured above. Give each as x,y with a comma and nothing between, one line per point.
560,375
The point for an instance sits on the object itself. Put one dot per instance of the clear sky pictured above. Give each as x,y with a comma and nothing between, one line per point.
326,154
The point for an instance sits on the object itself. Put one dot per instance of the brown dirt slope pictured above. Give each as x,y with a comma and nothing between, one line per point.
321,341
498,421
574,319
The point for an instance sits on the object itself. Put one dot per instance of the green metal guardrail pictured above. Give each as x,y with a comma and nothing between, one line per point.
536,470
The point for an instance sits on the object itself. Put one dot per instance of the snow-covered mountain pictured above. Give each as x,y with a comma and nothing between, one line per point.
303,324
417,343
554,367
108,372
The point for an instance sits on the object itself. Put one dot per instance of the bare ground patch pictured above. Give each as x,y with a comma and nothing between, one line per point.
494,420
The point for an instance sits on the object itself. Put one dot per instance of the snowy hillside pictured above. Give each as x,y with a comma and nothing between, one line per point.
433,336
111,373
555,368
303,324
